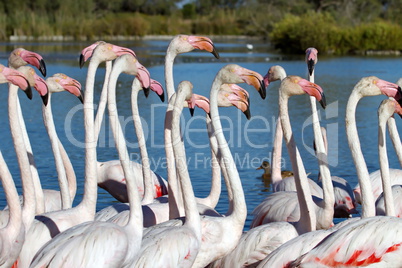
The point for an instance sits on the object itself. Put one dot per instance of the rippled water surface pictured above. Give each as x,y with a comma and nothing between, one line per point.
250,140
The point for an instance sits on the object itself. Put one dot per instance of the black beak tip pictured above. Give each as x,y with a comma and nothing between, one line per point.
310,66
247,114
162,96
146,91
399,97
42,67
82,61
263,90
215,53
81,98
323,101
28,92
45,98
191,111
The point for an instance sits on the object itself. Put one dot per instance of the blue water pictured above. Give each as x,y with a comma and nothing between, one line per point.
250,140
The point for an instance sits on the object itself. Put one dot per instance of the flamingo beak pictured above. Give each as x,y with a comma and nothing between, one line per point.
310,66
323,101
82,61
81,97
42,67
28,91
45,98
146,91
191,111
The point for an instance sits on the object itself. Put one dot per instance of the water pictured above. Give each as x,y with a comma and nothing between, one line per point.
250,140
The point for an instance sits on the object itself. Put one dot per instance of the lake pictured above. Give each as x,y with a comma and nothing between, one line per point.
250,140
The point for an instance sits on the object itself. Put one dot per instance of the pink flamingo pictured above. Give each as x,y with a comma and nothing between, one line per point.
102,244
273,208
389,202
251,251
367,86
12,234
46,226
176,246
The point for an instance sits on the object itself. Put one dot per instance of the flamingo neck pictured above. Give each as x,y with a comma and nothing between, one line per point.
213,197
14,224
384,166
276,176
396,140
175,197
368,208
28,210
190,204
135,217
321,152
102,101
307,220
54,141
146,169
88,203
69,169
239,211
169,80
40,201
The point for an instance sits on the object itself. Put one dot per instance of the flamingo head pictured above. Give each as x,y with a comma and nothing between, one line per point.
310,88
144,76
20,57
63,82
108,51
16,78
37,82
274,73
239,98
246,76
203,43
311,59
389,89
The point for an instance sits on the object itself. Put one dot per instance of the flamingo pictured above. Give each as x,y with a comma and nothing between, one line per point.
176,246
110,173
101,244
12,234
367,86
283,205
251,251
221,234
48,225
387,204
275,73
21,57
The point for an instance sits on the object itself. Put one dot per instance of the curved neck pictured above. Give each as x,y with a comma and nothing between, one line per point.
169,81
89,199
384,167
239,212
28,210
136,218
321,152
102,101
213,198
368,208
307,221
15,217
396,140
190,204
61,174
40,201
146,169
